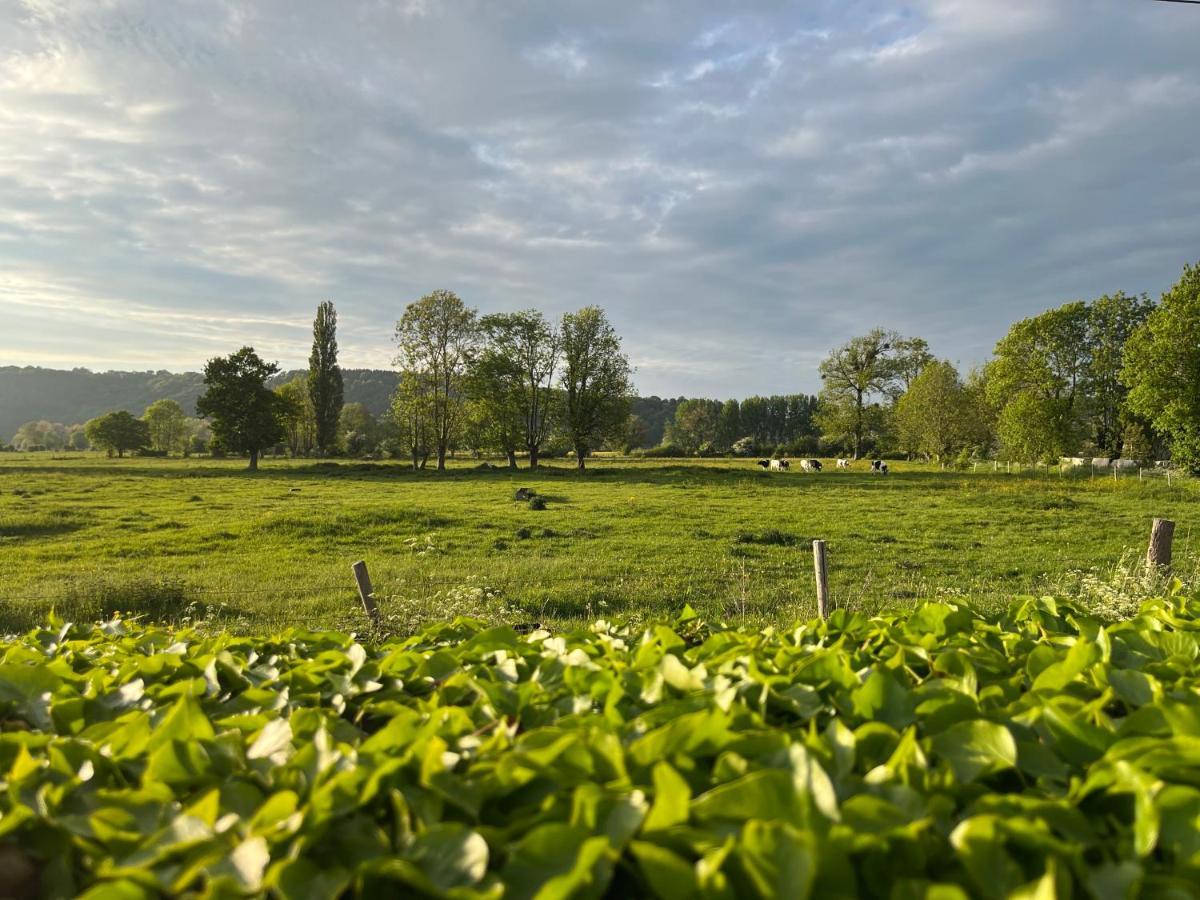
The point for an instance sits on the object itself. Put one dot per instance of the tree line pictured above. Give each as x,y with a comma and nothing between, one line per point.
1114,376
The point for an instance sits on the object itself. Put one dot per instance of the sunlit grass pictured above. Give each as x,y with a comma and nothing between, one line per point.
174,538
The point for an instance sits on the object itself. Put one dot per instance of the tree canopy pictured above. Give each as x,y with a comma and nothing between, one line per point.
243,411
117,432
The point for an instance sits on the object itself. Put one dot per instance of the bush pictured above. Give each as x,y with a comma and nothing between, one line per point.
536,502
998,756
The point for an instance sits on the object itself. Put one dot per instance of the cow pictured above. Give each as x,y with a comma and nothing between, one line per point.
843,463
779,465
810,465
765,463
879,467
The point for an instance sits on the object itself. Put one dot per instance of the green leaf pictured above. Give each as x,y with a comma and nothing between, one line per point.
668,875
450,855
976,748
765,794
779,860
672,798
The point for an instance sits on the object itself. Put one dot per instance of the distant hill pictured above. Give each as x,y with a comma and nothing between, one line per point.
57,395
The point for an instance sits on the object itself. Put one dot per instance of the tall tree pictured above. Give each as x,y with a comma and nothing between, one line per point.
520,355
1162,368
852,375
243,411
118,431
435,337
167,423
595,379
325,386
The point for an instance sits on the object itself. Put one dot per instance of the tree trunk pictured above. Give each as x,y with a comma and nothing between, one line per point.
441,456
533,456
253,467
512,459
416,461
580,456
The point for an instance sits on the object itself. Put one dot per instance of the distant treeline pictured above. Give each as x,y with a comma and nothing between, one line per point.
1115,376
32,393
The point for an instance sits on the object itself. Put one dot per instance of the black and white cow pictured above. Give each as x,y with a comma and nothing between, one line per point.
810,465
879,467
843,463
780,465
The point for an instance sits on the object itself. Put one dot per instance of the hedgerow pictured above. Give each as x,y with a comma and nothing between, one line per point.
937,753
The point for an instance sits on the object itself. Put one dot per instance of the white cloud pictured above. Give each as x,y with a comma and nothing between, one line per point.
741,194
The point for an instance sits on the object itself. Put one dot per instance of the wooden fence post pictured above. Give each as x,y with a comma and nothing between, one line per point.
821,570
365,592
1162,533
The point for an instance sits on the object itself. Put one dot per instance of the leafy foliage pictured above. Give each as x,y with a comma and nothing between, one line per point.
117,431
937,752
244,412
1162,368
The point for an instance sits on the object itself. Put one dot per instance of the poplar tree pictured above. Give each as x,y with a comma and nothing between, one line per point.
325,388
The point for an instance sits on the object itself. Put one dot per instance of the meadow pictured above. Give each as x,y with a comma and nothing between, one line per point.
201,539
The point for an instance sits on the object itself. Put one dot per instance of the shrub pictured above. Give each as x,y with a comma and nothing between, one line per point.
537,502
1029,753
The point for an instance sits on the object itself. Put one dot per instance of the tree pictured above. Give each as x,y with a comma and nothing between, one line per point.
937,416
512,381
412,413
1162,368
1029,428
629,435
697,423
1041,366
358,432
595,379
325,387
910,357
435,337
1111,321
729,426
167,423
40,435
117,432
297,416
243,411
852,375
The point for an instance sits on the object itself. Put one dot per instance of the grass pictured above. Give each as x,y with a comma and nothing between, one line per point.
182,539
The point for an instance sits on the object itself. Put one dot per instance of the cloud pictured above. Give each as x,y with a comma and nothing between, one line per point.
741,190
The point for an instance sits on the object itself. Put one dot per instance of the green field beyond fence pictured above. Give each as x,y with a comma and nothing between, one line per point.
202,539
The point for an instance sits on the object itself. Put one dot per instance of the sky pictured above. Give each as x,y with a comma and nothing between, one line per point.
741,186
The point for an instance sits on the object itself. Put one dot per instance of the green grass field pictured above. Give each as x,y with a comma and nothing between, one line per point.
203,538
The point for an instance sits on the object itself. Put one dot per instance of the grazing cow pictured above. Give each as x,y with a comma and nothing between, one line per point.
843,463
765,463
780,465
810,465
879,467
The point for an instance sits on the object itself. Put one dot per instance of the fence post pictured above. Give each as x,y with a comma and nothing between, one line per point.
365,592
821,569
1162,533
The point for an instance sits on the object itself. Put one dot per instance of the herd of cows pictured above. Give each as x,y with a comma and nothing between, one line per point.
878,466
